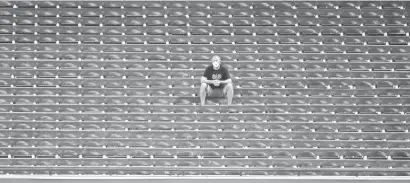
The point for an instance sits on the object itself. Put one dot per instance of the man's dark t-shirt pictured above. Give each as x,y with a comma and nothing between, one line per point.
220,74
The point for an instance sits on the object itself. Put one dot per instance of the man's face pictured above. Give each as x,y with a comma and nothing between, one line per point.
216,62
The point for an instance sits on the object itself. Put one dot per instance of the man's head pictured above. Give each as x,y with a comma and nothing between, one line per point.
216,61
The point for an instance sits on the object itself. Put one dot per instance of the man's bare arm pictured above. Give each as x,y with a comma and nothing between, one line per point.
228,81
204,80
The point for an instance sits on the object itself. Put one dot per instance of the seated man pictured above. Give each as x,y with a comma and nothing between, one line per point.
216,82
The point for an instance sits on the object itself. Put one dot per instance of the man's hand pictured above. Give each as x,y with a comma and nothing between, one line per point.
217,82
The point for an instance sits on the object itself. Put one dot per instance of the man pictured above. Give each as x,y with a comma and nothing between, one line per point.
216,82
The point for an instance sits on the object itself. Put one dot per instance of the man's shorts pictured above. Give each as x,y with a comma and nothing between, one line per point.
216,92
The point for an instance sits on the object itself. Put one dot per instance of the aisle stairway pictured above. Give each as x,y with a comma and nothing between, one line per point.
111,88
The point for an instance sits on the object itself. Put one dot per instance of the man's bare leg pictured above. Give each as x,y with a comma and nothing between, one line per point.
229,93
202,93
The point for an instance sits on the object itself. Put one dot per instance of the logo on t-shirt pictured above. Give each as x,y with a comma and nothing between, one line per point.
216,76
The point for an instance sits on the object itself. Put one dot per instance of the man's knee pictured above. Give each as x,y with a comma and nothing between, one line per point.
229,87
204,86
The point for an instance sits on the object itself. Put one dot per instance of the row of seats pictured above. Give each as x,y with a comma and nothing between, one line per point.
138,138
331,27
293,82
220,48
201,35
282,72
262,93
208,130
218,40
172,43
97,140
268,108
211,4
202,172
158,106
55,97
271,54
315,103
162,106
202,30
216,27
188,130
180,127
300,153
202,12
352,68
243,35
131,109
199,13
162,56
278,63
205,117
208,162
